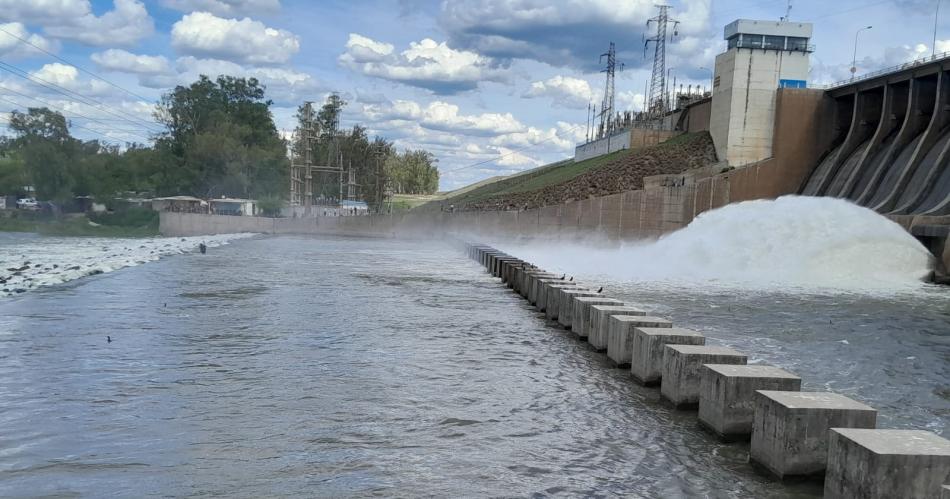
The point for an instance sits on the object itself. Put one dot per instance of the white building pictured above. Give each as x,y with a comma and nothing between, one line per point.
761,57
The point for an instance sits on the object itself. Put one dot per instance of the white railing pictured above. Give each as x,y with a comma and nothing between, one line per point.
880,72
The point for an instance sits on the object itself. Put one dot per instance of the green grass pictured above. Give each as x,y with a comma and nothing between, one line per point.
539,178
77,226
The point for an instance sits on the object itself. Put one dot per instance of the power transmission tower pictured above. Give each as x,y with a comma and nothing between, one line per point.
657,100
607,106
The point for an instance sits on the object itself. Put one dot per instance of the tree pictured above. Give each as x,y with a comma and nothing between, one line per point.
413,172
47,151
222,141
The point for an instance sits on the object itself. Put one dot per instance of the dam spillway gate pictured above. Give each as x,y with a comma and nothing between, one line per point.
891,150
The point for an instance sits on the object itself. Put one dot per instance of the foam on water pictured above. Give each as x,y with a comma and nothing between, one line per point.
28,262
792,241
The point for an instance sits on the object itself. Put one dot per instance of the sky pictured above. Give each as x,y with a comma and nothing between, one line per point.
490,87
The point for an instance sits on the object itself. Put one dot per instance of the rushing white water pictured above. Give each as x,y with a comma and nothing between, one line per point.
792,241
28,261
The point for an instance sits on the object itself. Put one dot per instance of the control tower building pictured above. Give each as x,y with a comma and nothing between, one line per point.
761,57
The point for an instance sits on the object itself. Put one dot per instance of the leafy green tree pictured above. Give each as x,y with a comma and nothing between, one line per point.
47,149
221,140
413,172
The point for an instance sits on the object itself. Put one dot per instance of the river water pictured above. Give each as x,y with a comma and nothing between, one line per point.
335,367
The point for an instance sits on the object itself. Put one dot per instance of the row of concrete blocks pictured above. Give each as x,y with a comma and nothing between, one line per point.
792,433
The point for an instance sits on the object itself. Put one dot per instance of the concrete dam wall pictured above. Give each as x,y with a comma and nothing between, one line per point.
891,145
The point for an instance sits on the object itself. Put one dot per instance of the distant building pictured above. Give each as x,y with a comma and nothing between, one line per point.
761,57
233,206
180,204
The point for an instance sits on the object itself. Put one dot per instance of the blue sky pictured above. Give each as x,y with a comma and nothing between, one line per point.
491,87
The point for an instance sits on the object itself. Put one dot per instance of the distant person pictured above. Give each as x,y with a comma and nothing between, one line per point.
202,248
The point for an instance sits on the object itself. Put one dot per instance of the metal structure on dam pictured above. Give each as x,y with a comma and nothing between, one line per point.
891,150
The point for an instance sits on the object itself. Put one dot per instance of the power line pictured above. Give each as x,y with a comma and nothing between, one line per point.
74,95
97,132
515,151
66,111
80,68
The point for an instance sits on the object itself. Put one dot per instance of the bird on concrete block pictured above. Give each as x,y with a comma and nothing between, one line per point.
563,276
571,279
600,290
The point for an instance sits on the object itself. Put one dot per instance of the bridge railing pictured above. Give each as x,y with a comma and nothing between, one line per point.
879,72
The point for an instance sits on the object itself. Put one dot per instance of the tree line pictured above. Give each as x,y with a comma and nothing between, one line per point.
219,139
379,169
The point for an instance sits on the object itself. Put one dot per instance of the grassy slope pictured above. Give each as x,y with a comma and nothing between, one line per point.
552,174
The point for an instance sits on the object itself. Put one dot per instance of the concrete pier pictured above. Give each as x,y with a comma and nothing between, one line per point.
600,322
790,429
727,395
646,365
620,335
540,290
528,281
548,296
552,306
682,369
534,291
505,264
565,309
581,315
884,464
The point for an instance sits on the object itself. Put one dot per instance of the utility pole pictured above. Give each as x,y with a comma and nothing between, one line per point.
656,101
301,174
607,106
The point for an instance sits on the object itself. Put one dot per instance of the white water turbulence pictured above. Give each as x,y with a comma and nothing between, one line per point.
29,261
792,241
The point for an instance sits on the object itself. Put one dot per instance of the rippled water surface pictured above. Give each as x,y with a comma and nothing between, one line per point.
355,367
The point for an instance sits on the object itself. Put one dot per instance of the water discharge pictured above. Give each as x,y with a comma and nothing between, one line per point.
792,241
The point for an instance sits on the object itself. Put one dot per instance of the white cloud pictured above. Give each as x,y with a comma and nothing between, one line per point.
124,25
565,91
425,64
283,86
246,41
629,101
225,7
43,11
127,62
12,48
445,117
514,158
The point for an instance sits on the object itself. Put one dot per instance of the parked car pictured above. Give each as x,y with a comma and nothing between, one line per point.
27,204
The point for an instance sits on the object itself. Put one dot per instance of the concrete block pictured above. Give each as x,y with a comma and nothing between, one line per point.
646,365
727,395
600,322
529,278
620,335
565,314
548,292
504,265
790,429
553,298
945,491
535,293
879,464
580,316
682,367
